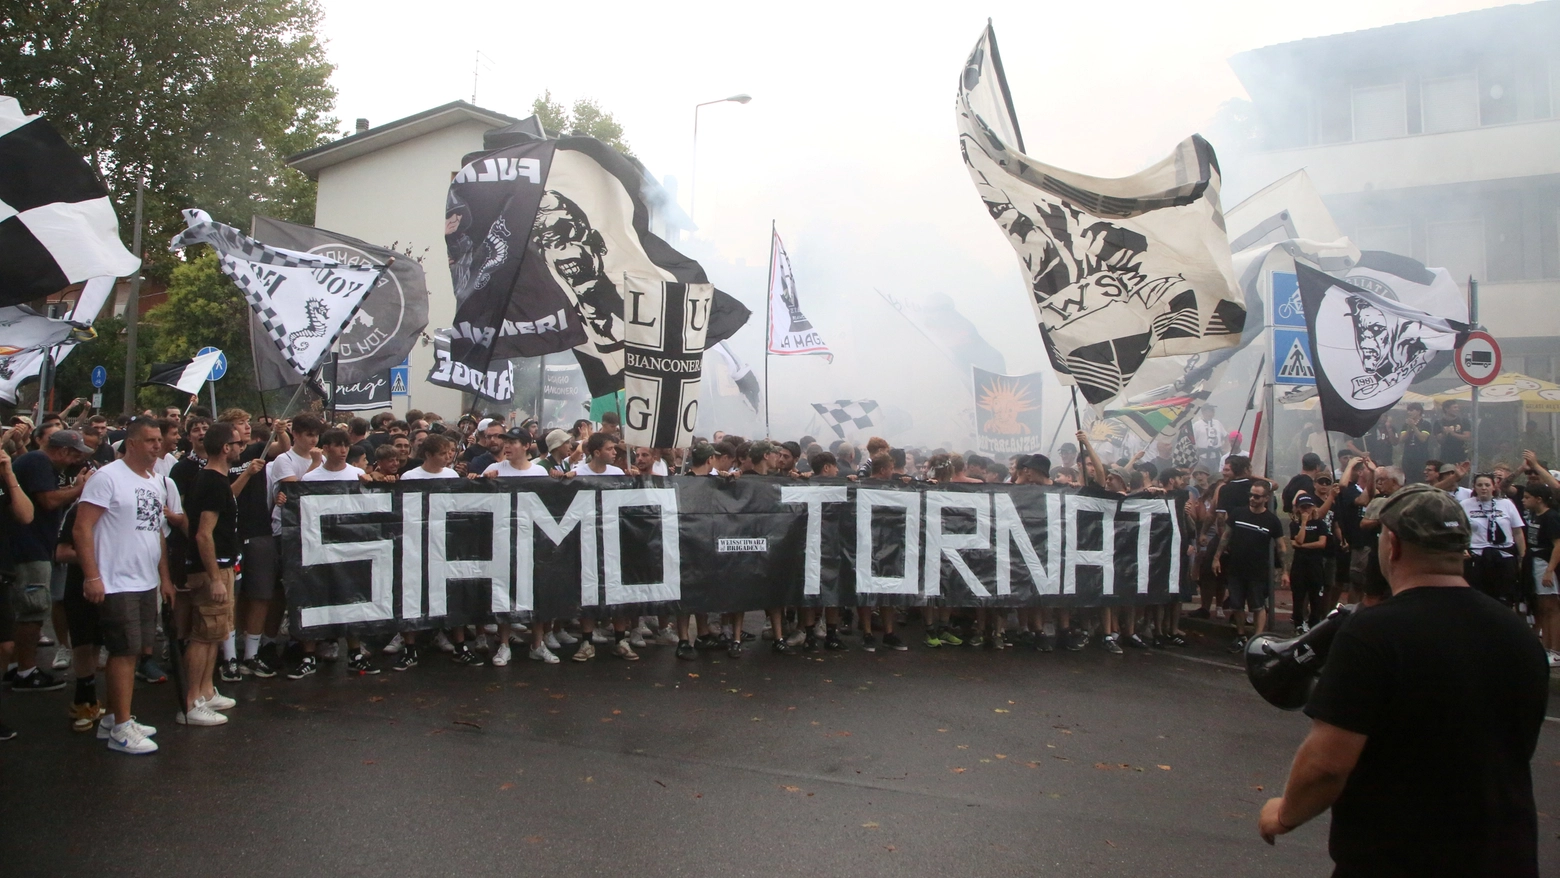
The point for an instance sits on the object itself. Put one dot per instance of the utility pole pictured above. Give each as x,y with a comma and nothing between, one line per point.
133,305
1473,320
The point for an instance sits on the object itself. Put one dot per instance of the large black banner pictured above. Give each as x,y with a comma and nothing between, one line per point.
439,553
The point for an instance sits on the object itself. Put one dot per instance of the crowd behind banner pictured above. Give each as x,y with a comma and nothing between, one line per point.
480,539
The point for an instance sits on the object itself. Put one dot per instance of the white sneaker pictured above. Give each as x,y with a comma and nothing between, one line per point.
551,642
797,638
501,656
820,630
667,637
636,640
218,701
200,715
544,655
490,628
643,630
562,637
1554,659
61,659
127,738
625,650
600,637
443,643
585,653
394,646
106,727
517,628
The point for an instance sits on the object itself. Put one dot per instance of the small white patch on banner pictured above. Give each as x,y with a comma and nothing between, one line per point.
759,544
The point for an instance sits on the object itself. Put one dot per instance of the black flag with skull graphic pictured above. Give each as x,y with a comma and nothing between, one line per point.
1120,270
1367,349
540,237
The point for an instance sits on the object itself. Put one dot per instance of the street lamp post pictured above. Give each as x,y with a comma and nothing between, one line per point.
693,182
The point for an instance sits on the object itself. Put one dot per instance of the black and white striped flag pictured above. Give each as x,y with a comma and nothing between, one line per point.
186,375
303,300
855,414
57,226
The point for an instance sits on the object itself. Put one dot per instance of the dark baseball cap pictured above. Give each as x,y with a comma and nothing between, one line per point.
521,436
1306,500
68,439
1427,517
1036,462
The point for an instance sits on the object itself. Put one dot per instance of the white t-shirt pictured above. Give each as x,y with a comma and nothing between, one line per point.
1494,522
659,468
418,473
348,473
164,464
128,539
290,465
583,469
506,470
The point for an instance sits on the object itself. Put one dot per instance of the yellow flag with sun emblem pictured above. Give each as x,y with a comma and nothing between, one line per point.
1007,413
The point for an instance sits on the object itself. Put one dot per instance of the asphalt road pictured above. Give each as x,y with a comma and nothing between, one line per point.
949,762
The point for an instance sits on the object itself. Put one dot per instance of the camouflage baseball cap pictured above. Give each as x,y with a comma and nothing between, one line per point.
1427,517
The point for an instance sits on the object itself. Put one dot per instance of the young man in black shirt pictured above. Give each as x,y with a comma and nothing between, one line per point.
204,608
1543,531
1246,555
1425,718
1452,432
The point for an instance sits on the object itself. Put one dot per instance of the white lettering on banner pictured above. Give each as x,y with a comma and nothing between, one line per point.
1144,510
866,582
1103,558
495,568
551,323
725,546
940,544
412,553
813,497
670,586
499,385
532,512
501,170
1010,532
684,365
380,555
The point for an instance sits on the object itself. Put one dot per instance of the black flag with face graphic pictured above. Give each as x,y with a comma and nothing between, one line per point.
1367,349
540,237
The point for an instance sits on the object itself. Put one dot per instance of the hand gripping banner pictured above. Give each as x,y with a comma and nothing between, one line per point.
392,557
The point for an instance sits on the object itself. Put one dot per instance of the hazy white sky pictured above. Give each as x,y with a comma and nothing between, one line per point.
849,143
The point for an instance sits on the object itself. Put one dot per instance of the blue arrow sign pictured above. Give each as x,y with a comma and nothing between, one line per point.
219,368
99,376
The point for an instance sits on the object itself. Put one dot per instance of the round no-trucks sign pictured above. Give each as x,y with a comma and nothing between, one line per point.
1478,359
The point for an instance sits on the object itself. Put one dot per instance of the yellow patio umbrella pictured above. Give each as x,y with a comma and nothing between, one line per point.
1536,395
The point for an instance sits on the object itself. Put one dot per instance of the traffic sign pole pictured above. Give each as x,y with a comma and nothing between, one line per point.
1473,319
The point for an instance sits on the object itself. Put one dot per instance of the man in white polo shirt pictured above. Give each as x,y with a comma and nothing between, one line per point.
121,529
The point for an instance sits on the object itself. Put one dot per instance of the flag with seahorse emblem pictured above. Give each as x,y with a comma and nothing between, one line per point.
303,300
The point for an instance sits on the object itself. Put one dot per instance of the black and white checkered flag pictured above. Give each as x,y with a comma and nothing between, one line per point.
855,414
57,226
302,300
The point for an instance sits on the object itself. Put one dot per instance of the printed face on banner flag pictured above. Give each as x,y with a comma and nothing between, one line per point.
1007,412
1358,339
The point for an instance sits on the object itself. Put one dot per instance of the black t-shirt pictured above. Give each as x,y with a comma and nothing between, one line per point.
1299,483
74,578
1379,443
1416,450
1450,688
212,492
254,507
1453,449
1251,537
183,473
35,542
104,453
1542,533
1348,515
1235,494
481,462
1315,529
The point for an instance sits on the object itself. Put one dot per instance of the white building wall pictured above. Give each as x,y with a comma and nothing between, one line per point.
396,195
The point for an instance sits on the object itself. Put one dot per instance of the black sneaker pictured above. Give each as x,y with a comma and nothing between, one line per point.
230,671
1026,638
1109,644
406,660
734,648
706,642
306,666
1077,639
1239,646
832,642
1045,642
869,643
1175,640
465,655
1136,642
37,681
685,650
257,667
892,641
358,663
6,732
779,647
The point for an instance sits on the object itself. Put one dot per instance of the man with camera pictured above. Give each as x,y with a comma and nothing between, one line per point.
1425,717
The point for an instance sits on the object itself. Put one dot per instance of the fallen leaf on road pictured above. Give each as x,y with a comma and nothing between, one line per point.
791,789
606,719
590,780
694,676
1000,755
1109,842
558,696
368,762
506,786
616,712
869,826
533,839
890,848
1012,702
837,735
959,770
662,785
463,722
376,698
1032,764
1164,768
985,761
1000,710
964,746
1103,767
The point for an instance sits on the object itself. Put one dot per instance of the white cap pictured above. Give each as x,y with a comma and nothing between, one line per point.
484,424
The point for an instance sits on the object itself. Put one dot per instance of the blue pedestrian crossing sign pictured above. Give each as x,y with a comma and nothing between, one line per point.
99,376
219,368
399,376
1292,357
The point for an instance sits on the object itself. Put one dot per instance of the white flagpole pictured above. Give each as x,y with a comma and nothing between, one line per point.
769,298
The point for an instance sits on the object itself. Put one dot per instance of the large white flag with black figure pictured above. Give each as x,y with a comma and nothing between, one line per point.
790,332
540,236
665,328
301,299
57,225
1120,270
1367,349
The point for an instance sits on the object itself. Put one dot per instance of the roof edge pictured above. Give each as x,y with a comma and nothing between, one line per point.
312,161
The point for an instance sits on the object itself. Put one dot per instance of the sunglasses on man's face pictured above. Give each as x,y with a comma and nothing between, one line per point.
1259,498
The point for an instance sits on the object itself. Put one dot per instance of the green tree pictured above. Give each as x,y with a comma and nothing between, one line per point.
586,117
201,98
204,308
